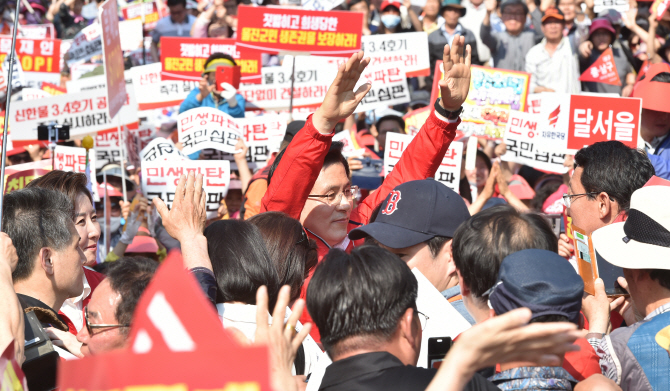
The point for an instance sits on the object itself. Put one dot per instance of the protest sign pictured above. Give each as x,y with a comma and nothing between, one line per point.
277,97
184,58
113,57
53,89
325,33
603,70
37,58
351,147
21,179
159,179
175,343
409,49
389,87
18,79
84,112
131,35
36,31
571,122
415,119
308,70
603,5
207,127
449,172
108,148
85,44
658,8
74,159
148,9
157,93
160,149
34,93
92,83
520,138
320,5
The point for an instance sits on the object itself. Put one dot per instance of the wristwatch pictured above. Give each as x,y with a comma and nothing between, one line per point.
450,115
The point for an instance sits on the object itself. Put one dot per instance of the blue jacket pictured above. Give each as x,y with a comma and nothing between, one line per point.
190,103
661,159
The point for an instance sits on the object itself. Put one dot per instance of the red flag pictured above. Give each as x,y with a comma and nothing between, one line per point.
603,70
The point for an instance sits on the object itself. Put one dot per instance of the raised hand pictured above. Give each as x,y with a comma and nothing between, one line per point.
186,219
341,99
456,83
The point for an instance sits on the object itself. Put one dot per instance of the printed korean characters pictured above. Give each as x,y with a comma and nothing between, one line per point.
408,49
161,149
207,127
389,87
520,139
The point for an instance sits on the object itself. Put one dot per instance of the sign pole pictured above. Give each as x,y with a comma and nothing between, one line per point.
12,59
123,166
290,105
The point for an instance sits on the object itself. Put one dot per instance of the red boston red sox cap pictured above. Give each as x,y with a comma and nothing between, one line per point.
415,212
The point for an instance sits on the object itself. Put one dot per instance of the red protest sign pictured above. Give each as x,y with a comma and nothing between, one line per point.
331,33
603,119
35,55
184,58
659,7
148,9
53,89
603,70
21,179
113,57
176,342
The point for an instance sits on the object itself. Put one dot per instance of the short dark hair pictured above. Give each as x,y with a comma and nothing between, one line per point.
435,244
293,253
69,183
129,277
35,218
216,56
240,262
171,3
333,156
661,276
663,77
362,294
613,168
483,241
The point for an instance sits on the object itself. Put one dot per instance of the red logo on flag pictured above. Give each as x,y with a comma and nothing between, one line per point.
603,70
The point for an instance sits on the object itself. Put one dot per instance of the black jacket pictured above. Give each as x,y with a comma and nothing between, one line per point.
437,40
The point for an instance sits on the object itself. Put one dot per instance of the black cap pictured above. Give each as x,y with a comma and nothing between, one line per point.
292,129
540,280
414,212
505,3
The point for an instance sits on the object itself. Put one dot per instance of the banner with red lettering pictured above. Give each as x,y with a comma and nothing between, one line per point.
157,93
113,57
520,139
136,10
408,49
53,89
570,122
39,59
184,58
603,70
278,97
21,179
207,127
324,33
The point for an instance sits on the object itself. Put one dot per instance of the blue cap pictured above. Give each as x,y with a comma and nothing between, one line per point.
540,280
414,212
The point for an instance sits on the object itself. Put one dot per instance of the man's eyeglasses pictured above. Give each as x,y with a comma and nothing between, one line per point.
567,198
423,319
90,327
335,198
518,16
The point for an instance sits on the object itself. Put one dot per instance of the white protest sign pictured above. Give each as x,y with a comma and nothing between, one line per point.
445,321
165,93
534,102
449,171
159,180
349,148
320,5
74,159
131,34
520,136
207,127
308,70
85,113
618,5
389,87
408,49
277,97
161,149
36,31
85,44
34,94
107,147
92,83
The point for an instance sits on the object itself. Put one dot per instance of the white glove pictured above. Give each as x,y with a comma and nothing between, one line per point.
227,91
132,226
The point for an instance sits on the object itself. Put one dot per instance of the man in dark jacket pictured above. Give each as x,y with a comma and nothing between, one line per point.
451,11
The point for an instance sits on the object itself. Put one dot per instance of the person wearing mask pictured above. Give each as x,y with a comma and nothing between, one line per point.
509,48
177,24
551,63
392,18
475,11
601,37
451,11
225,99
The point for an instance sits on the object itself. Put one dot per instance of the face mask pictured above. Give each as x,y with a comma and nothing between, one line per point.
390,21
114,225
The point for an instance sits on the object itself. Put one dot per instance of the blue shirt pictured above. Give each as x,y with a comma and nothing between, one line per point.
458,304
191,102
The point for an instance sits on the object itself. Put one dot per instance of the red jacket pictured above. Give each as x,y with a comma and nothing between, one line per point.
303,159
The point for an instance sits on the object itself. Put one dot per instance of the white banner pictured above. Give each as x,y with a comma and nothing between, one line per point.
74,159
320,5
85,113
207,127
349,148
520,138
389,87
277,97
85,44
618,5
409,49
92,83
449,172
160,178
308,70
161,149
34,94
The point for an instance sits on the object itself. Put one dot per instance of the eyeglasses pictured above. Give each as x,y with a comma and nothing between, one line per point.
567,198
335,198
509,15
423,319
90,327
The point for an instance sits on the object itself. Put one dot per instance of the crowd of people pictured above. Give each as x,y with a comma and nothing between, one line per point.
373,274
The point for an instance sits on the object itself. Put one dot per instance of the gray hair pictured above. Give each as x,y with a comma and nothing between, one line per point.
35,218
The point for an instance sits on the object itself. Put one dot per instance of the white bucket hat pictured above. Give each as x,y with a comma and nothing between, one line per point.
643,240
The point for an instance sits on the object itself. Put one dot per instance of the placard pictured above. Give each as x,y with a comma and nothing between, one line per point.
389,87
351,147
85,44
34,94
147,9
449,171
160,178
53,89
415,119
520,137
92,83
308,69
112,56
324,33
617,5
160,149
157,93
35,31
207,127
277,97
184,58
73,159
21,179
603,70
409,49
320,5
35,55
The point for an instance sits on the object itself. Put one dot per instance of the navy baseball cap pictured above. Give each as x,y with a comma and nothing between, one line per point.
414,212
540,280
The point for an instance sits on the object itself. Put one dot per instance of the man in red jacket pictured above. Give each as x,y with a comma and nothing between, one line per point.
311,184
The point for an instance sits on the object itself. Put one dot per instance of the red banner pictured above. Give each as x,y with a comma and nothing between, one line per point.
53,89
36,55
184,58
113,57
332,33
603,70
151,13
21,179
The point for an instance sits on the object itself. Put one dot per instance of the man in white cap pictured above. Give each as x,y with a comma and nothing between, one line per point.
636,357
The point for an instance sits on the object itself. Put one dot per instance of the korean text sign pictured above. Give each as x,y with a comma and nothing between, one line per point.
389,87
85,44
35,55
325,33
570,122
157,93
113,57
184,58
409,49
520,139
161,149
449,172
160,178
275,97
150,12
207,127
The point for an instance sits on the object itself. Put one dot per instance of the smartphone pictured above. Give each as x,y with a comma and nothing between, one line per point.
556,222
609,274
230,75
438,347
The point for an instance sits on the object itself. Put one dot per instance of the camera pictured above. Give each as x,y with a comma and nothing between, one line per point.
53,132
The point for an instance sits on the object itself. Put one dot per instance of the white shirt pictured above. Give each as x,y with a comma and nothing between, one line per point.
74,306
472,20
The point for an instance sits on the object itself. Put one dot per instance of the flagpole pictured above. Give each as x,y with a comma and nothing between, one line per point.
12,58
